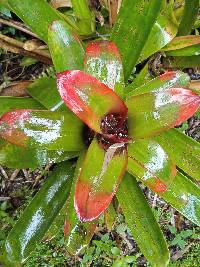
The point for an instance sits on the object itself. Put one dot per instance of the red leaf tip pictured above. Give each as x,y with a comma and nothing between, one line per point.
95,49
88,98
94,203
189,103
168,75
9,124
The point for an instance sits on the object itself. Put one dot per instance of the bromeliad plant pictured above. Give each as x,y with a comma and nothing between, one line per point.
118,133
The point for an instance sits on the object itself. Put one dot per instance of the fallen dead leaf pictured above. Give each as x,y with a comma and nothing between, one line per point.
60,3
17,89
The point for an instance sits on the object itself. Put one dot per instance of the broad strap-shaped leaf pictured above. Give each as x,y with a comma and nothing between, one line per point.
184,196
99,178
189,15
183,150
30,157
163,31
141,222
127,34
85,17
77,234
149,161
8,103
152,113
45,91
38,216
182,42
103,61
181,62
88,98
36,14
66,49
185,52
43,129
165,81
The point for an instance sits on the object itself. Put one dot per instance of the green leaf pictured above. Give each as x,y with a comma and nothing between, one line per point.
165,81
103,61
181,62
66,49
142,78
30,158
189,15
99,178
38,216
45,91
132,28
178,9
152,113
84,16
183,150
37,14
8,103
193,50
77,234
142,222
184,196
42,129
164,30
182,42
110,217
150,162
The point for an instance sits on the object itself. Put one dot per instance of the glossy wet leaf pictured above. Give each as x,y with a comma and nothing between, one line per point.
141,222
152,113
182,42
66,49
45,91
189,15
165,81
99,178
103,61
38,216
163,31
127,34
30,157
183,150
149,161
8,103
42,129
88,98
84,16
37,14
77,234
184,196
